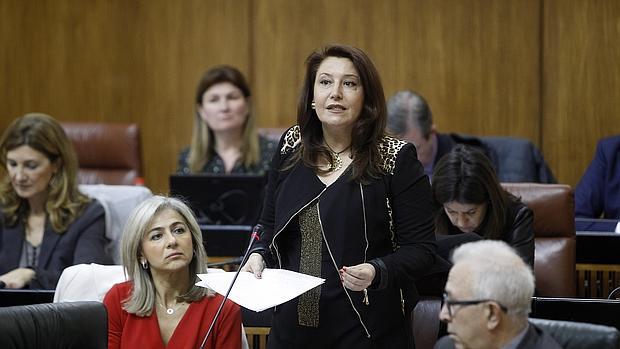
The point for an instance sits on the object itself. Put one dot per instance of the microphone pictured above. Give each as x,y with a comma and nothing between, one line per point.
257,232
236,260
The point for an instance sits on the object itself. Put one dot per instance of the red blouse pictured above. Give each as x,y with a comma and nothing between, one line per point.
130,331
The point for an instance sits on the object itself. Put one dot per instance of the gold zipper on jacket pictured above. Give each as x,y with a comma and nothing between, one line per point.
273,241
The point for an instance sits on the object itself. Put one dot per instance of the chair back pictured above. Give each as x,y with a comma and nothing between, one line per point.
54,325
580,335
553,206
87,282
118,201
424,322
108,153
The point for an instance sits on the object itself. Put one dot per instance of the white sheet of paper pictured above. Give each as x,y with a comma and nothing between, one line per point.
275,287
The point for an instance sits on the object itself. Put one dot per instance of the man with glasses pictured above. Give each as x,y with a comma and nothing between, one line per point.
487,300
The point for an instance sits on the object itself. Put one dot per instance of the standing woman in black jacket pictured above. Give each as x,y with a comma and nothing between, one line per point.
473,205
346,203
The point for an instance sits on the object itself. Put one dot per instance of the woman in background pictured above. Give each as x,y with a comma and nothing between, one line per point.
160,306
46,224
473,205
224,138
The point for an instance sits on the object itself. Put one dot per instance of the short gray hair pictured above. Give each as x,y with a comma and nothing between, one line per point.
407,109
142,296
498,273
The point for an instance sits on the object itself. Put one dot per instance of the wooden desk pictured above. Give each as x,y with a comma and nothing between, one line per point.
598,264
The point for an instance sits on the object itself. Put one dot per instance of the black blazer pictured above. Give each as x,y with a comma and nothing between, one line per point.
388,222
83,242
518,231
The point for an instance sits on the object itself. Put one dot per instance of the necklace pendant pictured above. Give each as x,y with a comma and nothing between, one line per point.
169,311
336,162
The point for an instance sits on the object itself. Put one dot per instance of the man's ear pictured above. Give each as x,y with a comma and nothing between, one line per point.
494,315
433,129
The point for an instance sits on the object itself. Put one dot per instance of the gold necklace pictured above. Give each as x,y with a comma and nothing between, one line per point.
336,163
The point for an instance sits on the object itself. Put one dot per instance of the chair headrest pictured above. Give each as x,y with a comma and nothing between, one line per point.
573,335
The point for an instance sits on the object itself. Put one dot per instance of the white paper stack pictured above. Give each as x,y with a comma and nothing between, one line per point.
275,287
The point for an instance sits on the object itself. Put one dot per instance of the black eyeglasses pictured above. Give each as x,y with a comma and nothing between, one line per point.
450,303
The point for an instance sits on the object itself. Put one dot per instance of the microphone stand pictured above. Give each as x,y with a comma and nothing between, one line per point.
236,260
256,234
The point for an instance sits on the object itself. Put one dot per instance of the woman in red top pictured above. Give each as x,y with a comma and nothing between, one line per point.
160,307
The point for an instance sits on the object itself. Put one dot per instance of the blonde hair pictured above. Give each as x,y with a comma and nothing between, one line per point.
45,135
142,296
202,145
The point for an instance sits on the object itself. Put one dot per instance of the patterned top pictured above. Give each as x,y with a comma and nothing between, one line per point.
216,164
388,147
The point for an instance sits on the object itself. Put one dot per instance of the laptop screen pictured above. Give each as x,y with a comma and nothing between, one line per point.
221,199
12,297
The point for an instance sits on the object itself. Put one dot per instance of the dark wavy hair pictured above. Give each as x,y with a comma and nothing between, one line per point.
466,175
368,129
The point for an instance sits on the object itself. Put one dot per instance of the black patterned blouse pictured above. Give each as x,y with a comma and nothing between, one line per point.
216,164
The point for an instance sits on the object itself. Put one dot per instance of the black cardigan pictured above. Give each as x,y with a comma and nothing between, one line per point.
518,231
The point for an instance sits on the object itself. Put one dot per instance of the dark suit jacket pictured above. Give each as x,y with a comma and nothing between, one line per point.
445,143
534,338
83,242
518,160
598,191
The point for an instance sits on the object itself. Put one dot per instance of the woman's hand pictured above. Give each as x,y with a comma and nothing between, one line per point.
255,265
357,277
18,278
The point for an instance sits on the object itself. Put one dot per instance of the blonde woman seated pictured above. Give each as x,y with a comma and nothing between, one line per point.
46,223
224,138
160,307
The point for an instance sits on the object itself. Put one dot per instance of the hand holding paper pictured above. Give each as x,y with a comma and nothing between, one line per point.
275,287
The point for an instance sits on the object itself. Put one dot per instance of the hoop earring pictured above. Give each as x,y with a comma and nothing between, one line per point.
145,264
313,105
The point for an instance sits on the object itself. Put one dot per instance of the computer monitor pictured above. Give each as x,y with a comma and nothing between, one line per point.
12,297
221,199
596,311
596,225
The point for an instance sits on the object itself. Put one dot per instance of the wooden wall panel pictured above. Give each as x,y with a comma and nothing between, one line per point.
178,41
477,62
581,82
480,63
114,60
